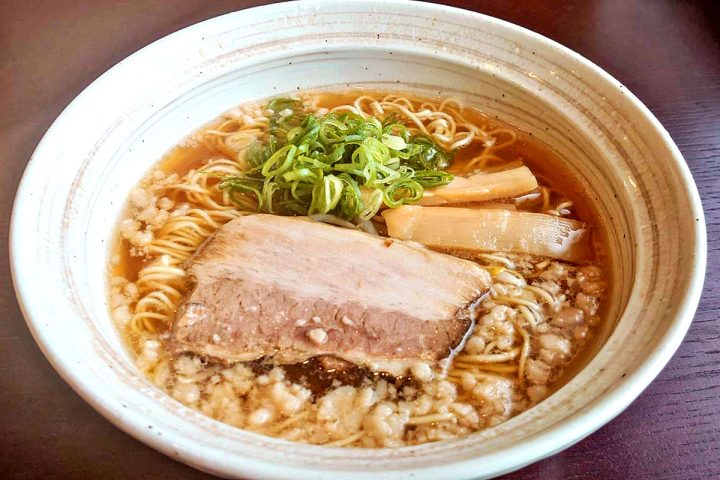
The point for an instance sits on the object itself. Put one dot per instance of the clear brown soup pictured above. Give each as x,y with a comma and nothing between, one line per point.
194,154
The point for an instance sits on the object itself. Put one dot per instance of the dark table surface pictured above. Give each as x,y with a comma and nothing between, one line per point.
667,52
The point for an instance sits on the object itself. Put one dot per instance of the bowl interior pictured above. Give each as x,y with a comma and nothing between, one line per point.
121,125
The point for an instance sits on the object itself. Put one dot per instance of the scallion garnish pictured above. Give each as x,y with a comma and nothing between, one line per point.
339,163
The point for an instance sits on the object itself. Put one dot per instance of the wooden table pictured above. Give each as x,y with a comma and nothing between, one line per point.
667,52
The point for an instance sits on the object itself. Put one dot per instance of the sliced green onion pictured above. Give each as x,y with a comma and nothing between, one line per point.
432,178
401,192
340,164
372,203
394,142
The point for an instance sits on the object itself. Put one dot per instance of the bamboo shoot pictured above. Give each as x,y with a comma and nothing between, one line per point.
482,187
486,206
491,230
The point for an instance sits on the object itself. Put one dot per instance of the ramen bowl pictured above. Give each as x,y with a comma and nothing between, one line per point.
77,181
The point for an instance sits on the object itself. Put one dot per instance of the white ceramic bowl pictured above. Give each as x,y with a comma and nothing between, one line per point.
78,178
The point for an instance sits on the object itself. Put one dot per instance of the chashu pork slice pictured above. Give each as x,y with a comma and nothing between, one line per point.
292,288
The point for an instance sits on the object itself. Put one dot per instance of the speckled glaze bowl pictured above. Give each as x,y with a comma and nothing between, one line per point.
77,181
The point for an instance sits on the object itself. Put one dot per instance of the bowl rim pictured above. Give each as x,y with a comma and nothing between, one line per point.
543,444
